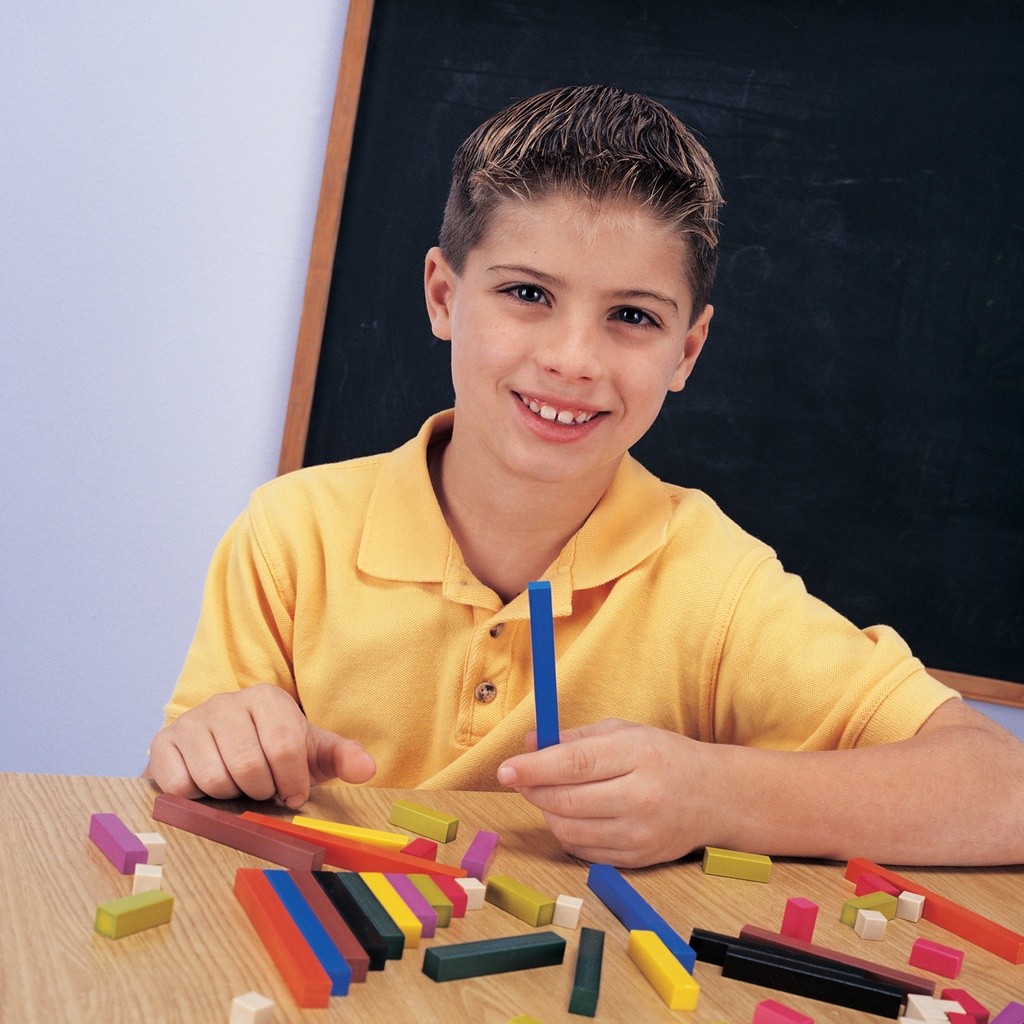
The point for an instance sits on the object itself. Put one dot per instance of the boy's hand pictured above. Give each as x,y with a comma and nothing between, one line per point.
255,742
616,792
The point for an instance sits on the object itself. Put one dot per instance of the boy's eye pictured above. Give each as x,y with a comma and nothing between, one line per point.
634,317
527,292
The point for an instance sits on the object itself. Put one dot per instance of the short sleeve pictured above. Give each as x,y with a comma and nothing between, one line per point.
794,674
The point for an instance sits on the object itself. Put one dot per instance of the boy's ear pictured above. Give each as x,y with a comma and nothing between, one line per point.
695,338
439,291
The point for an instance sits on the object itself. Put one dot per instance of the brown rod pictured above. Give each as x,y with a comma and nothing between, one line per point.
325,235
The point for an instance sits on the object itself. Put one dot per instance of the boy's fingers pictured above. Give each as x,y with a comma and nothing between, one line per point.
592,758
604,727
168,768
205,763
588,801
593,839
334,757
601,728
282,742
186,760
243,760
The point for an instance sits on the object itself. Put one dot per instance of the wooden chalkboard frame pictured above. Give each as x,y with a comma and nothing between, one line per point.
325,234
321,265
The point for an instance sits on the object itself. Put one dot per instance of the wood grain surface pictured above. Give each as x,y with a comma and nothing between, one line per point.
55,968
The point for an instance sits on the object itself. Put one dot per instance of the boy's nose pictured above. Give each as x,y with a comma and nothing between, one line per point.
570,351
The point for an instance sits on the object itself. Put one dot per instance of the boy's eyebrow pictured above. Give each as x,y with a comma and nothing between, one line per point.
640,294
516,268
539,275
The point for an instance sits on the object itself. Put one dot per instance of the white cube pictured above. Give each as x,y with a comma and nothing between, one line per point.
475,890
155,843
870,924
927,1008
147,877
567,912
252,1008
909,906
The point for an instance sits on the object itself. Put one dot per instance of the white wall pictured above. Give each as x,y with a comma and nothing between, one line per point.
159,171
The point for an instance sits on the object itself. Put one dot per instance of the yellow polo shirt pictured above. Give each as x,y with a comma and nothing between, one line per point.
343,585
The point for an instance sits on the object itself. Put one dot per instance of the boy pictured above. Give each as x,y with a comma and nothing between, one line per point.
378,607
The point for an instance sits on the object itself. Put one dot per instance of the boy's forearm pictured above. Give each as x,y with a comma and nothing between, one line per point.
953,794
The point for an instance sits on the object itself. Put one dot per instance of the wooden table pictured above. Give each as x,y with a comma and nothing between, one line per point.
54,968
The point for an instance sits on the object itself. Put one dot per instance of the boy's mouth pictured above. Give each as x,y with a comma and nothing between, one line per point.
553,414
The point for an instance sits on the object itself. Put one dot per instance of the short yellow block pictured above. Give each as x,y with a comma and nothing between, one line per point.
372,836
883,902
753,867
524,1018
398,910
666,974
134,913
424,821
520,900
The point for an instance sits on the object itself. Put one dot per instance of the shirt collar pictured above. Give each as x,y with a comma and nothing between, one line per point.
628,525
405,537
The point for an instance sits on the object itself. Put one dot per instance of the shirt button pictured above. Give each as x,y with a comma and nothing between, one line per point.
497,630
486,692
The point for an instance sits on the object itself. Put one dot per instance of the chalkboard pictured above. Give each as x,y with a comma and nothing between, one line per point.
859,403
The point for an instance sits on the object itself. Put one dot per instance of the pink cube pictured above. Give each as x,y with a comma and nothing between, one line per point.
868,882
454,892
970,1005
939,959
422,847
799,918
770,1012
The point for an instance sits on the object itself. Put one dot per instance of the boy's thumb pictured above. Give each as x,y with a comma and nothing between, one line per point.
338,758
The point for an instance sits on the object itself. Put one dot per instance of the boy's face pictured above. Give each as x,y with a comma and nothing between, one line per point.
569,323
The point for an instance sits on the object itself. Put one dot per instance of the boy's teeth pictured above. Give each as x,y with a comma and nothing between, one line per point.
562,415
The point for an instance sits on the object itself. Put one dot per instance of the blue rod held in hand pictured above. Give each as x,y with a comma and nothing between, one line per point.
542,639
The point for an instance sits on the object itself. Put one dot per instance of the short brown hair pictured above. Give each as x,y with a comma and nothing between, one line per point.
594,141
